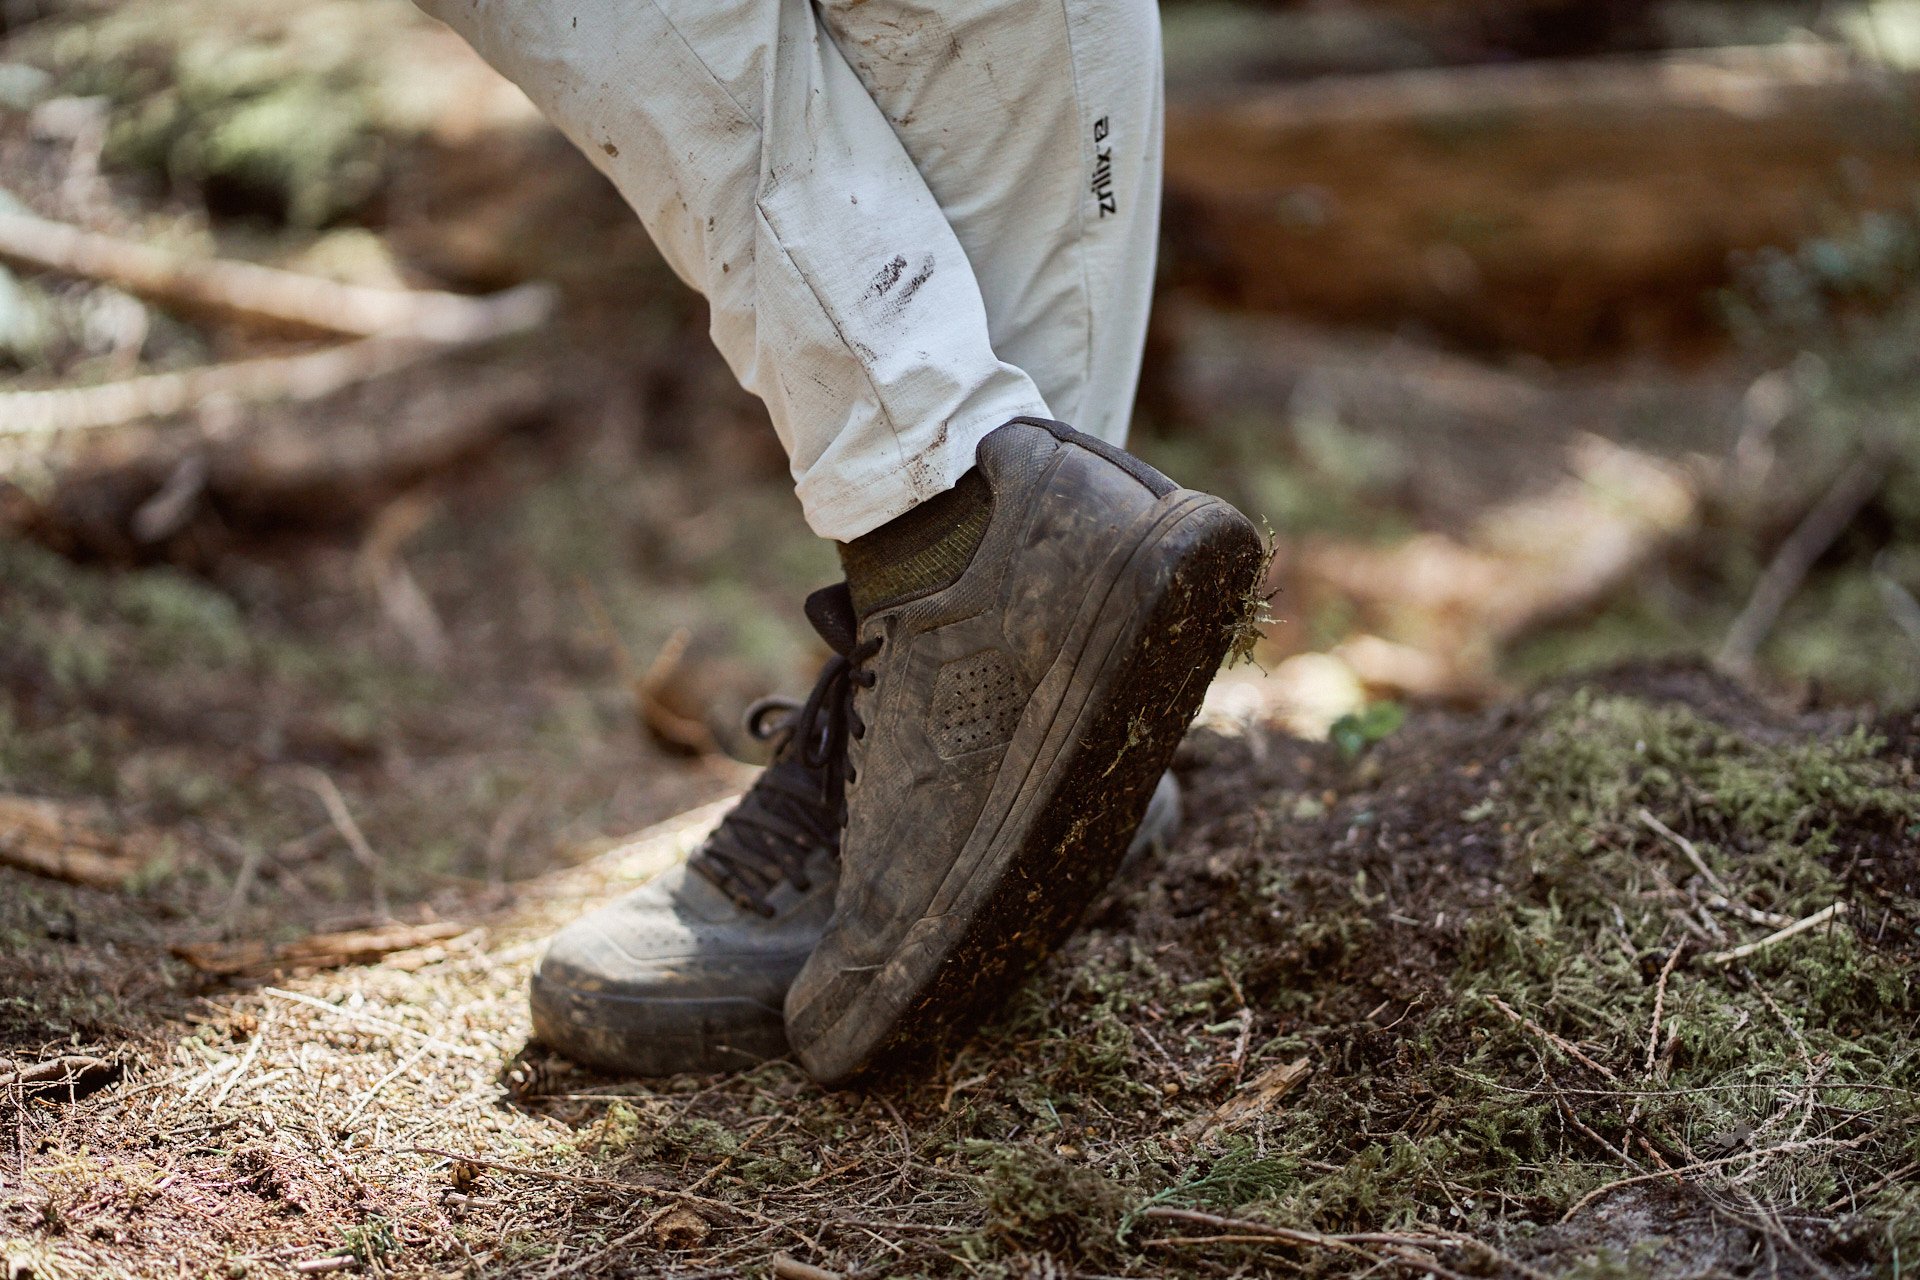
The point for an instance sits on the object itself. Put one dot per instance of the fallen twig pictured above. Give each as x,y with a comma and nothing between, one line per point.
288,297
1896,599
1827,520
1573,1118
1247,1230
377,1023
1565,1046
342,819
1660,1000
65,842
1701,1166
255,958
1813,921
786,1268
74,1073
610,1184
1686,846
1752,915
360,1103
1885,1180
1265,1090
246,1063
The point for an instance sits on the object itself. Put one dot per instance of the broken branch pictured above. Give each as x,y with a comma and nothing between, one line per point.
63,842
1685,846
249,289
307,376
1813,921
1827,520
1564,1045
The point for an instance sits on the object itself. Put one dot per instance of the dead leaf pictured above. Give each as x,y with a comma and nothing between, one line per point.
669,701
681,1229
71,842
1259,1095
463,1174
252,958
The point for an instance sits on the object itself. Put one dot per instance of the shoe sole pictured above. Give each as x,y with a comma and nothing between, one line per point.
653,1036
1191,573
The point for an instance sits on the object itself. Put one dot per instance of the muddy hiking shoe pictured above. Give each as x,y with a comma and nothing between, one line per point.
1009,709
689,972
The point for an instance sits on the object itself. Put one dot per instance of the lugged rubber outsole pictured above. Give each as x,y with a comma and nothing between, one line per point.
652,1036
1098,788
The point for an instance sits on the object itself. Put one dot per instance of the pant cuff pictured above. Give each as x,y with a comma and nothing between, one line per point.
843,499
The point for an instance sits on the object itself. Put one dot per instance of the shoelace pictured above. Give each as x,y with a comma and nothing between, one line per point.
798,804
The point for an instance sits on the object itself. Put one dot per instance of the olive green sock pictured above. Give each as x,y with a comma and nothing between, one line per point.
920,552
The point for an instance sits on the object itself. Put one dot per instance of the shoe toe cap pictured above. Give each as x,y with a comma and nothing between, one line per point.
641,987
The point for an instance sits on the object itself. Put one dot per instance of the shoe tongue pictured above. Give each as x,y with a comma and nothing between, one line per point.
830,610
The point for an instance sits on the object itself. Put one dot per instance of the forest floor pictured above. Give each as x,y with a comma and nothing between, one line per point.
1565,955
1508,993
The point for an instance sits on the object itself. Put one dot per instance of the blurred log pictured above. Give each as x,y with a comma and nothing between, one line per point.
305,376
337,455
252,958
1567,208
252,291
1528,563
108,468
1529,28
69,842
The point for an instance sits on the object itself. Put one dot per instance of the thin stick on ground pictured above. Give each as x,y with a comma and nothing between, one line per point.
1686,846
788,1268
1826,521
652,1219
1574,1119
1798,927
1248,1230
246,1061
376,1023
1565,1046
1660,1002
686,1194
342,819
1701,1166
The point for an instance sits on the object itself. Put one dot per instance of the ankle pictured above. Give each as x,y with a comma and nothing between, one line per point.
921,551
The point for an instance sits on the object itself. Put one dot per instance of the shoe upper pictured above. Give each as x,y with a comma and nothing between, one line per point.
737,919
954,675
680,937
869,820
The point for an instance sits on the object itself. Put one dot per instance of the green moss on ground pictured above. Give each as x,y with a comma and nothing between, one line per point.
1468,947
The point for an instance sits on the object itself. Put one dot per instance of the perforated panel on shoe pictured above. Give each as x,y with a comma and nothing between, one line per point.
977,702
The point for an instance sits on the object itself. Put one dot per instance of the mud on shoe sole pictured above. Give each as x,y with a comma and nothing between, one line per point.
1187,582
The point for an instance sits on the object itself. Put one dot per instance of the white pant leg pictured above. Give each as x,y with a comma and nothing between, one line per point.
773,185
1037,126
